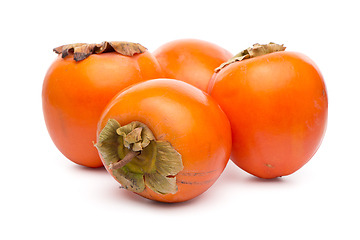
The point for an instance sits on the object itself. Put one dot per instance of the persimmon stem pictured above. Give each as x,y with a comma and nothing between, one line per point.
251,52
83,50
124,161
150,163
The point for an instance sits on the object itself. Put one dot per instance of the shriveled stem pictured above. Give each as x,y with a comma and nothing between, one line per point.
251,52
83,50
124,161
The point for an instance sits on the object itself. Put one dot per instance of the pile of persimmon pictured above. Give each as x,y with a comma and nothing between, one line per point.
165,124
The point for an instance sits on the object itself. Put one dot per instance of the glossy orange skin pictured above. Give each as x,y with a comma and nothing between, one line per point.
191,60
75,93
277,106
189,119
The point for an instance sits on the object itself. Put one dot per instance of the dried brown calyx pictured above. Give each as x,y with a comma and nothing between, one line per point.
137,160
251,52
83,50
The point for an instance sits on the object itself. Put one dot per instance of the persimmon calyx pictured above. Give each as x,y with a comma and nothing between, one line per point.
84,50
254,51
137,160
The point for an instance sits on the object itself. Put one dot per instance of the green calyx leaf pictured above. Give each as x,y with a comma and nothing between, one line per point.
137,159
107,143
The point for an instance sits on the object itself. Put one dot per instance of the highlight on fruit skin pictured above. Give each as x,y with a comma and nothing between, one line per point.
178,138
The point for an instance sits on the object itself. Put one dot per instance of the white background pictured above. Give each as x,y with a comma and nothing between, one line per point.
45,196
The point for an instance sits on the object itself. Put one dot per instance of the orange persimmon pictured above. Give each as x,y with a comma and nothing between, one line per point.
78,85
191,60
175,138
277,105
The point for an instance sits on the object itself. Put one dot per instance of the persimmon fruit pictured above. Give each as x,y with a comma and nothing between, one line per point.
277,105
191,60
79,84
164,139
